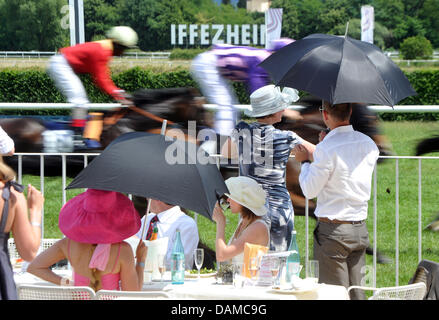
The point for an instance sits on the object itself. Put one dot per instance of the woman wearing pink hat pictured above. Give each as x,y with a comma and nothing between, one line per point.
95,224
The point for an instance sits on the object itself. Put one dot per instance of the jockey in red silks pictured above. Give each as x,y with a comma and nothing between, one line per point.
214,70
90,58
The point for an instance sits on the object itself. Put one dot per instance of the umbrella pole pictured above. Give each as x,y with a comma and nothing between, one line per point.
163,127
163,131
146,214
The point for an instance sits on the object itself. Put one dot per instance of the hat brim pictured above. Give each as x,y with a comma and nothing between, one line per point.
261,211
253,114
88,227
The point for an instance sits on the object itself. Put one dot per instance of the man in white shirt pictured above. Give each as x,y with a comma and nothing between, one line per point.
340,177
171,218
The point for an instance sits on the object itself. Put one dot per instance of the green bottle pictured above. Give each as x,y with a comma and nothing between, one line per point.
293,260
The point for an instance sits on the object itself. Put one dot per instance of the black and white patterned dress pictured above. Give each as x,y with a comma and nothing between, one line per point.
263,154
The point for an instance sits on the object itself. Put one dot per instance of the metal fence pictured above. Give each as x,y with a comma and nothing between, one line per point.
307,240
45,54
242,107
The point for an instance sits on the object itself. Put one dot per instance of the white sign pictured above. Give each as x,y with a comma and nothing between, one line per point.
273,22
367,23
206,34
76,21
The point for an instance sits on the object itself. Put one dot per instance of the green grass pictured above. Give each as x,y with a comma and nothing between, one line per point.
403,137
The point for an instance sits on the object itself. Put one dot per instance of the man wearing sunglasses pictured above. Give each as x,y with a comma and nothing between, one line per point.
340,177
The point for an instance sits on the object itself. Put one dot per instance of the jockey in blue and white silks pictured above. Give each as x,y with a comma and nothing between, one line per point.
214,70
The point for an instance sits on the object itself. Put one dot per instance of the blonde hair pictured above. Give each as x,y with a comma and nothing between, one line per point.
95,281
6,172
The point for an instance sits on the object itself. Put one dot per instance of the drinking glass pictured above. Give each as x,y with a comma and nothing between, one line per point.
198,259
274,268
253,267
293,271
224,204
162,265
238,274
313,270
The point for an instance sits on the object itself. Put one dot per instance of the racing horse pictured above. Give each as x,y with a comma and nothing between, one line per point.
177,106
151,106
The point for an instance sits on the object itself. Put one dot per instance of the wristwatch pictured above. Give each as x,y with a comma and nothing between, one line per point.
305,161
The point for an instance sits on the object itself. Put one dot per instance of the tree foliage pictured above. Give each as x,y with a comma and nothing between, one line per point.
417,47
40,25
32,25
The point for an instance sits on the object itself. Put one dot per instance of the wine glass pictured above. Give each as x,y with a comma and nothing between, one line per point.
224,204
254,267
162,265
198,259
274,268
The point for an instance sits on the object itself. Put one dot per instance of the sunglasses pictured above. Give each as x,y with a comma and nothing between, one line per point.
321,108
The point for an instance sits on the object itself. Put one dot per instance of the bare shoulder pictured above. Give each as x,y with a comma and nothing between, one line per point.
256,229
126,250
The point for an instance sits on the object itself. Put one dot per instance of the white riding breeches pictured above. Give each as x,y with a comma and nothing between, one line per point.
67,81
217,90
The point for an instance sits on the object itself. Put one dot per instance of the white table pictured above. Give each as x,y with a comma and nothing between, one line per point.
207,289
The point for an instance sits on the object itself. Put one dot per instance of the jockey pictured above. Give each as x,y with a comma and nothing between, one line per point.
214,70
90,58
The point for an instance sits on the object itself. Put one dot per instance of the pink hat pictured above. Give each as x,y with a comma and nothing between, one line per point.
97,216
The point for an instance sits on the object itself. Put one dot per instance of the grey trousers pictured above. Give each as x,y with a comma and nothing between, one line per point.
340,250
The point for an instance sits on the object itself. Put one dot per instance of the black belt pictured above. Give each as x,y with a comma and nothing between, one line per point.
335,221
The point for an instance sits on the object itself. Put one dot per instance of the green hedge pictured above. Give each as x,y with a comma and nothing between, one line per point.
36,86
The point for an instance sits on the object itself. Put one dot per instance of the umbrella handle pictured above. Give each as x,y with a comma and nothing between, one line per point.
144,223
163,131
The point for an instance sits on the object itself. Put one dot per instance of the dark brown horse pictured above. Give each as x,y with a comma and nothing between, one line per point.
177,106
151,106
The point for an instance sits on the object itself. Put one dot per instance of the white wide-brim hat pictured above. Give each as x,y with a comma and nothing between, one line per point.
269,100
248,193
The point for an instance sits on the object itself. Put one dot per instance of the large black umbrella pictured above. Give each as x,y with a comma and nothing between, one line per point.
158,167
339,70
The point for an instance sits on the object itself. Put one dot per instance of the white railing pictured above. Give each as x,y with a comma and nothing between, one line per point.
45,54
63,171
107,106
217,158
395,54
374,200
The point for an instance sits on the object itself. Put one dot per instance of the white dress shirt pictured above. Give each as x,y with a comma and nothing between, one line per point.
167,225
341,174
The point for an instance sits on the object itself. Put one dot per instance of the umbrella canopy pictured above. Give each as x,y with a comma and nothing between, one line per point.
158,167
339,70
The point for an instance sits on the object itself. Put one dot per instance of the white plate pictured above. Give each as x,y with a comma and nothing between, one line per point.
202,275
308,288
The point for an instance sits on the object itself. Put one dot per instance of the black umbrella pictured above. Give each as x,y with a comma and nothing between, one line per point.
158,167
339,70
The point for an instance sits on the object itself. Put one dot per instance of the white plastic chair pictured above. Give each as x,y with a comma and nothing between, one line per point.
414,291
13,253
39,292
130,295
